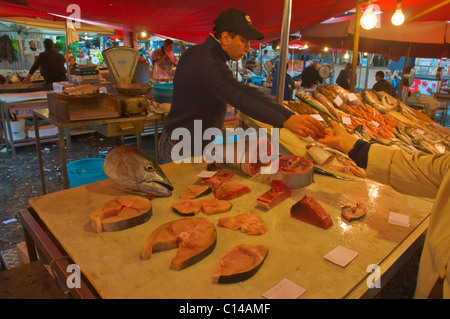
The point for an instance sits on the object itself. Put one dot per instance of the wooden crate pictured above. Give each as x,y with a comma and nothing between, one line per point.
83,107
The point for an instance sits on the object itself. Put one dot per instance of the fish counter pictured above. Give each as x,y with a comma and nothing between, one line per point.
306,255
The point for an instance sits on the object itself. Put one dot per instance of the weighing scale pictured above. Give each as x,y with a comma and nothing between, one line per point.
325,72
408,80
121,63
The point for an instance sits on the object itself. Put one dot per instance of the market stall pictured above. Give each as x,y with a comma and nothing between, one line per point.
110,261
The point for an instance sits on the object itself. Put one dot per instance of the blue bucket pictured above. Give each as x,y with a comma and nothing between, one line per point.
162,92
86,171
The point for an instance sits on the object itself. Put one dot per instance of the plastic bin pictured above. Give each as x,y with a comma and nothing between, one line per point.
85,171
162,92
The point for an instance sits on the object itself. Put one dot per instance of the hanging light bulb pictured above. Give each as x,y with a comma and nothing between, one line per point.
325,49
346,56
369,19
143,34
398,18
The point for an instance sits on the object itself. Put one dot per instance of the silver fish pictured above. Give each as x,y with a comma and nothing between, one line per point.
131,169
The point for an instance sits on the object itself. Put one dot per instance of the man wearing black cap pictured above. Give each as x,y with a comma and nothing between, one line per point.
204,85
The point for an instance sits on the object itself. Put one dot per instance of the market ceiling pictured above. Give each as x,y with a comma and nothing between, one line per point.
192,20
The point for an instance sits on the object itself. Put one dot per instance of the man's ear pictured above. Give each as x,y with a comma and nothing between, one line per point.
225,38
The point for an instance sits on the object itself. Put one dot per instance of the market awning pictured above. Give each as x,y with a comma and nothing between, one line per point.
428,39
55,25
192,20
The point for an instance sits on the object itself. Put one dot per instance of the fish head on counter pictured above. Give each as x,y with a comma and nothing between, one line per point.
131,169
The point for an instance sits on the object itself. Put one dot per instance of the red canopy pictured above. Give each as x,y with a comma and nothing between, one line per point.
192,20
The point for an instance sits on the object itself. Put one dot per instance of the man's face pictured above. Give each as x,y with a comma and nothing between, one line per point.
169,47
32,45
236,47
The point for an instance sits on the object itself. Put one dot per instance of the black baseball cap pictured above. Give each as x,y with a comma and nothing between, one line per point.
234,20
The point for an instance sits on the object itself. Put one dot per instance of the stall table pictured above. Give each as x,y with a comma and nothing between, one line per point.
119,126
111,265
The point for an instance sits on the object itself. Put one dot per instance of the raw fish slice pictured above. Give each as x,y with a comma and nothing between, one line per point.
310,211
240,263
187,207
215,206
350,213
295,171
247,223
230,190
194,191
277,193
220,177
121,213
195,238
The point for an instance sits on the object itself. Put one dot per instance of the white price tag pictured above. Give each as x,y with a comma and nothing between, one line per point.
420,131
206,174
375,123
285,289
346,120
352,96
341,256
398,219
338,100
317,117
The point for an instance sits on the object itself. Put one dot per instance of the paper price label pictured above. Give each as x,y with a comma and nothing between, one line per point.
317,117
375,123
285,289
341,256
346,120
351,96
420,131
398,219
338,100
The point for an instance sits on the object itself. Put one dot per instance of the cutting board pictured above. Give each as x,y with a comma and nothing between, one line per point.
111,260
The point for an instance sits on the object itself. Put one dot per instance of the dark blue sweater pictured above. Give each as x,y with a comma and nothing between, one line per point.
204,85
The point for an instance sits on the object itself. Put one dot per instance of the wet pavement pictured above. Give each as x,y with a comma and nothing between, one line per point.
20,180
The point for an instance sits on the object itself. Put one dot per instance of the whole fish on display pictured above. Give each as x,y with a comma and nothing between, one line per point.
131,169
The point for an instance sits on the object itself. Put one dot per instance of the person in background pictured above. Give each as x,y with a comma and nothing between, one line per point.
388,77
204,85
289,86
397,78
265,57
31,53
163,60
72,64
310,75
51,63
382,84
343,79
417,174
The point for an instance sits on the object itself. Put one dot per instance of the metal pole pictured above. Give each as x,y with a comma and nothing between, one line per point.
284,44
355,46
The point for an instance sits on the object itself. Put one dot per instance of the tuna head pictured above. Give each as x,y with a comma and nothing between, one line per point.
131,169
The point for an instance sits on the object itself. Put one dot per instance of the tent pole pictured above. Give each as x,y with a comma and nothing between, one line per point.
284,45
355,45
67,48
405,64
260,60
439,5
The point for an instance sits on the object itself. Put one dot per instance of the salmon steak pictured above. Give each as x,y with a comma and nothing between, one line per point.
351,213
310,211
277,193
194,191
247,223
121,213
195,238
208,206
230,190
220,177
240,263
294,171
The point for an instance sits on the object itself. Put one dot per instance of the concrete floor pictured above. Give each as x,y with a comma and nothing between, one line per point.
19,181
